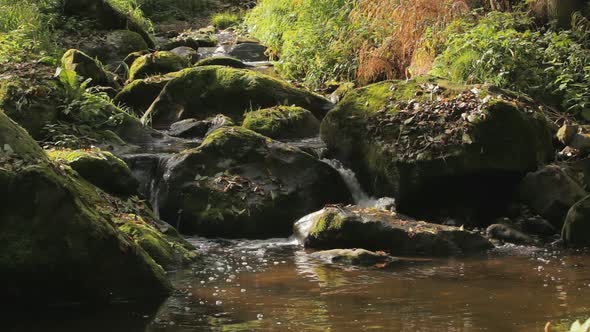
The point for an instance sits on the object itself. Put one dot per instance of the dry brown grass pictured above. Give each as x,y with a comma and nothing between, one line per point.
398,26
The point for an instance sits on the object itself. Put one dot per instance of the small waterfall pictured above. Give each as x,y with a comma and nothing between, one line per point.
148,169
360,197
303,226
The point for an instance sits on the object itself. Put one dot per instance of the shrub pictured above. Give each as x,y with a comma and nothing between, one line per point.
225,20
503,49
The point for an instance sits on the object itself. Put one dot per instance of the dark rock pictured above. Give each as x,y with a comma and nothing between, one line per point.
576,230
241,184
551,192
538,226
360,257
88,68
508,234
140,94
222,61
186,52
350,227
249,52
193,128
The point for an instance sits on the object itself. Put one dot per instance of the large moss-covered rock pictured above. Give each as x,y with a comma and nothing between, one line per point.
222,61
551,192
205,91
120,43
156,63
283,122
57,238
87,67
437,146
241,184
140,94
161,242
576,229
351,227
101,168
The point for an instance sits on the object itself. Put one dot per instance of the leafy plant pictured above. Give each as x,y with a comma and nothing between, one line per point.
579,327
225,20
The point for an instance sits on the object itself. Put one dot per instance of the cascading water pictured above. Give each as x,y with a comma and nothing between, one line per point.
361,199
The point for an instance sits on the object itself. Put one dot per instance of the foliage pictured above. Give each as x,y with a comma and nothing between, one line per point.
160,10
225,20
579,327
503,49
308,36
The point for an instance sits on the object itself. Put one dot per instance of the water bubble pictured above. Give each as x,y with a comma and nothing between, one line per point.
187,309
243,290
201,303
218,302
276,263
260,316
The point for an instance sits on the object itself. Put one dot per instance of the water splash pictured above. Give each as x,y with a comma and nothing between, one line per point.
303,226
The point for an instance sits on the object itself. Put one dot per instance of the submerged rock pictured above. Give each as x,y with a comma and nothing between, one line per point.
157,63
360,257
58,241
351,227
438,147
283,122
551,192
241,184
576,230
101,168
205,91
222,61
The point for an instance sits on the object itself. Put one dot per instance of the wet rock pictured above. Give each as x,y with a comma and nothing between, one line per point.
58,242
203,91
140,94
222,61
101,168
360,257
551,192
193,128
351,227
120,43
506,233
439,148
576,229
283,122
157,63
88,68
571,137
161,242
341,91
188,53
241,184
193,41
538,226
249,52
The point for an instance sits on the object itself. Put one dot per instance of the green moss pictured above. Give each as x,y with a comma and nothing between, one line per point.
225,20
221,61
161,62
100,168
167,248
140,94
203,91
329,221
86,67
282,122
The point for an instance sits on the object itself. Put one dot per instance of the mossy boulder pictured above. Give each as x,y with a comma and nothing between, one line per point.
58,242
205,91
551,191
576,229
438,147
241,184
161,242
283,122
120,43
140,94
370,229
222,61
156,63
101,168
87,67
250,52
